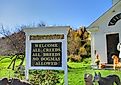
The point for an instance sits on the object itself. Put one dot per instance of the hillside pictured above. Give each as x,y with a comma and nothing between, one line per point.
78,43
12,44
4,47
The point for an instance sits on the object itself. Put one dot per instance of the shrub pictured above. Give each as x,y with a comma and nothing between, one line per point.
86,61
74,58
44,78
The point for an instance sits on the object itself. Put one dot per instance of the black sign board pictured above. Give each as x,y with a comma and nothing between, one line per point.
46,54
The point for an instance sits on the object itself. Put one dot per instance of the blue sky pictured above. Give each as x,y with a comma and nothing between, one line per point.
75,13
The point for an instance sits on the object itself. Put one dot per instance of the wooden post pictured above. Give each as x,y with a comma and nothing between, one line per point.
27,74
66,75
65,67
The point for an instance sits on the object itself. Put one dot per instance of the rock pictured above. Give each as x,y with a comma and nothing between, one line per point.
18,82
4,81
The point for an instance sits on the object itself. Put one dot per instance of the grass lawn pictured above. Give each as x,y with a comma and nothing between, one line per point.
76,75
4,63
76,71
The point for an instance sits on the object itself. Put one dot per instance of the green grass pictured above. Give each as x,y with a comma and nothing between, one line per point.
4,63
76,74
76,71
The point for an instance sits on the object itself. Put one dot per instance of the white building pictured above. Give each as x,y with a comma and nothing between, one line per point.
106,34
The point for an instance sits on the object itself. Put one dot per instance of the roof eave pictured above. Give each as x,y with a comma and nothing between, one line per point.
103,15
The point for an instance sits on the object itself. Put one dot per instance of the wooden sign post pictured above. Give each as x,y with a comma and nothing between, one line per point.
46,48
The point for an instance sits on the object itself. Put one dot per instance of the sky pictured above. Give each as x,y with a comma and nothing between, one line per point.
74,13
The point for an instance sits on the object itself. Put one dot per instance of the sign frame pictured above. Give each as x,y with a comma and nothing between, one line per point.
54,30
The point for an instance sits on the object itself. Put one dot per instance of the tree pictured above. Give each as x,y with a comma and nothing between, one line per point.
16,42
78,43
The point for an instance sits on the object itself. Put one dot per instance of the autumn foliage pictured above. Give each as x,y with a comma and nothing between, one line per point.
78,44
